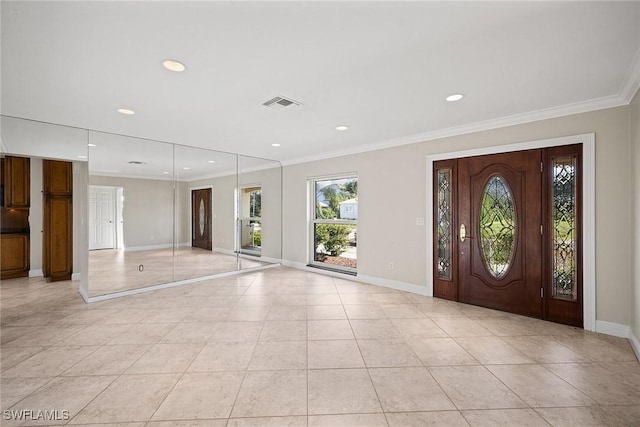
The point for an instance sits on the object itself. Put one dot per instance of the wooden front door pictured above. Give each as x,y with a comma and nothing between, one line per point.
500,258
201,218
507,232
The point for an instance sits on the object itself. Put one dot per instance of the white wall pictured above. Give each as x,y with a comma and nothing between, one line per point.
635,197
388,235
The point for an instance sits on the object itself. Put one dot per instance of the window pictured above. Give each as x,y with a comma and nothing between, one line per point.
334,224
251,221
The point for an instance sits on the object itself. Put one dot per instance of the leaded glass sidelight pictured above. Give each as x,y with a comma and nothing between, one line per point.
564,275
444,224
497,226
201,213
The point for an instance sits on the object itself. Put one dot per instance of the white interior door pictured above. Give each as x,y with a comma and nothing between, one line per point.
101,218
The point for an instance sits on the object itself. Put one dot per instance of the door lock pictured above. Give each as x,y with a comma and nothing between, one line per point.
463,233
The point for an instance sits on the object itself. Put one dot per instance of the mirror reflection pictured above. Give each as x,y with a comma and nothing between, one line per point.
151,213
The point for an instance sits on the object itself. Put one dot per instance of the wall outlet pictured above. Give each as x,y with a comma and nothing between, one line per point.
390,266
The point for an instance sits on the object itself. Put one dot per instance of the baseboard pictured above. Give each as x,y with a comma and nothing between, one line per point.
148,247
615,329
36,273
224,251
84,295
76,276
393,284
635,344
370,280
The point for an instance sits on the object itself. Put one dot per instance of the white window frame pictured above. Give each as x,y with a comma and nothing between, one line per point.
311,182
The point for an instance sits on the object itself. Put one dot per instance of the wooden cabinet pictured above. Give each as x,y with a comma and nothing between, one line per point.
16,182
14,255
57,220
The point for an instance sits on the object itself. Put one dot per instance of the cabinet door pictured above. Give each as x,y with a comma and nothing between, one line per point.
17,181
14,253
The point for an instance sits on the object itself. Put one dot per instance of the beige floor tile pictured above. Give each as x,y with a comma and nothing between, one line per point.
627,373
223,356
326,312
300,421
543,349
167,315
11,356
348,420
441,352
49,362
129,398
144,334
357,298
408,389
287,312
341,391
598,383
255,301
12,390
87,317
505,417
272,393
402,311
98,334
391,297
387,353
323,299
418,328
509,326
236,331
284,330
334,354
364,311
166,358
329,330
374,329
438,310
462,327
597,349
248,314
209,314
588,416
492,350
108,360
33,336
201,396
278,355
626,415
184,423
538,387
435,418
70,394
191,332
474,387
128,316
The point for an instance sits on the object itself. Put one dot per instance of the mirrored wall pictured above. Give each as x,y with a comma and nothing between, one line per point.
153,213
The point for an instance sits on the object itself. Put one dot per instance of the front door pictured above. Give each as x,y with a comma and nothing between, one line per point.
201,218
507,232
500,244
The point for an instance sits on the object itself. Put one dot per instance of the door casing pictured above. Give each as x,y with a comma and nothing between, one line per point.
588,213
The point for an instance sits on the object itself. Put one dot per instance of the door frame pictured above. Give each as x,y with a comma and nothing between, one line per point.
190,216
588,213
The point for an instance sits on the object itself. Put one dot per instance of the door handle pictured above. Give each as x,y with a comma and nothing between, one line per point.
463,233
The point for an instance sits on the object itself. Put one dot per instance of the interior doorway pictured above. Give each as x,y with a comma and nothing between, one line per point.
508,232
105,217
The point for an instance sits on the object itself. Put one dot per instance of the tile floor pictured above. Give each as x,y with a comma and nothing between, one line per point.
284,347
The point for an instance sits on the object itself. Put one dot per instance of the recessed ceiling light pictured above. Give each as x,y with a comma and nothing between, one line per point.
166,173
211,161
186,168
342,127
91,145
126,111
173,65
275,145
455,97
82,157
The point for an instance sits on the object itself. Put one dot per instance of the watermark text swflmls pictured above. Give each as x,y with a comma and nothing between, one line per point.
36,414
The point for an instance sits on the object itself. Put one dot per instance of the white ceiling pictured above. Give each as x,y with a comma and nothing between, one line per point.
382,68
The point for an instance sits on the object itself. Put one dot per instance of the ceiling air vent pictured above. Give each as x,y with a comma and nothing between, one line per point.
280,103
135,162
